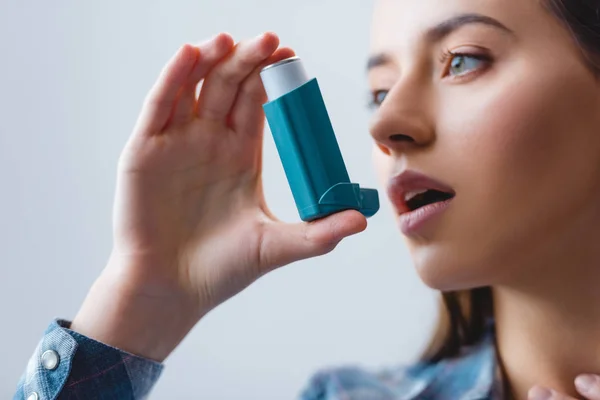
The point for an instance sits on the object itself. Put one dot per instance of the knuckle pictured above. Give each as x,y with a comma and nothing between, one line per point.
246,62
227,77
253,91
157,102
211,112
307,233
324,241
233,72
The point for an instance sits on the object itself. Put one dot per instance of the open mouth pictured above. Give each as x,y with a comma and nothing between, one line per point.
411,191
418,199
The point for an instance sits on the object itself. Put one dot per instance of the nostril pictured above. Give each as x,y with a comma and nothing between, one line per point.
384,149
388,147
402,138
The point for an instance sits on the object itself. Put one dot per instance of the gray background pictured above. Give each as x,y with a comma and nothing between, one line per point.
72,77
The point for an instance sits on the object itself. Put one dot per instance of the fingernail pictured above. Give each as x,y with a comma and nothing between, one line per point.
539,393
585,383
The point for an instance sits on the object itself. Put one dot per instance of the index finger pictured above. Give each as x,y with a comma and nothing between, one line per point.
222,84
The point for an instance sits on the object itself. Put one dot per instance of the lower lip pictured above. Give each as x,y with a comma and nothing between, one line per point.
413,222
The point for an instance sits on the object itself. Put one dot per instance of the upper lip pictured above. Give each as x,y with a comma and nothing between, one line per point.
409,181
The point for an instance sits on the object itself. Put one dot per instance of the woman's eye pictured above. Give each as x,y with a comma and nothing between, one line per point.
377,97
462,64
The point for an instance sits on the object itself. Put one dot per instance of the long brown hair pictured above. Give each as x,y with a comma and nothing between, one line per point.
464,316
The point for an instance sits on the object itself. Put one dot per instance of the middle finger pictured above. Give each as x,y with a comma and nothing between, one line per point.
221,86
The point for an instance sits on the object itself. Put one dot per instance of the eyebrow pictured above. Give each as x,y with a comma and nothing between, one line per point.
442,30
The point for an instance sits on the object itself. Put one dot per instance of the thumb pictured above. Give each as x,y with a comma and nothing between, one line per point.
286,243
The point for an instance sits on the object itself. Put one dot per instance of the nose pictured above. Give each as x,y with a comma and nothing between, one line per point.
404,120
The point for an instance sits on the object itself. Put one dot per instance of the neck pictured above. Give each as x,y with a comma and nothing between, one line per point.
548,324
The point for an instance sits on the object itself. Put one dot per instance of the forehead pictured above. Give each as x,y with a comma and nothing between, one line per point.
397,23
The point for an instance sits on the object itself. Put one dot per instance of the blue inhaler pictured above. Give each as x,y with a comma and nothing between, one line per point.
307,145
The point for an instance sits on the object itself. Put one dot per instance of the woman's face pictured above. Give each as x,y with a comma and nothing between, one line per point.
492,99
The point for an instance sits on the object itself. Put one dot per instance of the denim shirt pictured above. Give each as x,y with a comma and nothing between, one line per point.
67,365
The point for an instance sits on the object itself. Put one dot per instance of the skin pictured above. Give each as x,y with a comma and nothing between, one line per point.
518,139
192,228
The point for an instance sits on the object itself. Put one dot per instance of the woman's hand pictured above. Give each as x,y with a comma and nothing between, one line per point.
588,386
191,226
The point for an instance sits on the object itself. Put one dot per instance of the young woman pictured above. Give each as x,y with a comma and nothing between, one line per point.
487,136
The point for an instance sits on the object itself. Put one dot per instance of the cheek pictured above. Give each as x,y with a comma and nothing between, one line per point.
529,130
508,126
516,150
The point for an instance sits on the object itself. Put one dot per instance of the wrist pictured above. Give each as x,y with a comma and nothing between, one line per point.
129,315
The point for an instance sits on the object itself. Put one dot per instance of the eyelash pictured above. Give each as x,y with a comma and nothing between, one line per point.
448,55
372,103
446,59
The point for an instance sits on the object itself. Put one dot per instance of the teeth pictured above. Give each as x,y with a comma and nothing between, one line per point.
411,195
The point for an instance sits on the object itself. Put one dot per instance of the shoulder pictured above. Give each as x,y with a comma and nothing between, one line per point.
467,377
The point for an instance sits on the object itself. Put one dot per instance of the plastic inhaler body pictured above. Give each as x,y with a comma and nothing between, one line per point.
307,145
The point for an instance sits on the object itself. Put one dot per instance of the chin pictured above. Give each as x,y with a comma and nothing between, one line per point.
446,271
